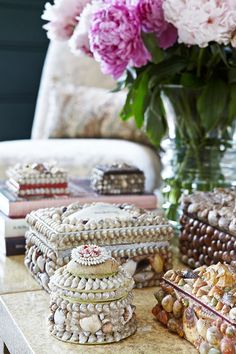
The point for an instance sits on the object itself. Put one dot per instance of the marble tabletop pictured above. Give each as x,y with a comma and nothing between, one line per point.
14,276
23,316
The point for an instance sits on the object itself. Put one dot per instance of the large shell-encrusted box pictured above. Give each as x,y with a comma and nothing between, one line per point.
200,305
208,232
137,238
91,299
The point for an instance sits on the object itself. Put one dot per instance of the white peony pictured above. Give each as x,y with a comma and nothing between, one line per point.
202,21
62,17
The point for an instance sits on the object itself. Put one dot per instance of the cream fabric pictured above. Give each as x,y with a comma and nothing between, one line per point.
88,112
80,155
61,66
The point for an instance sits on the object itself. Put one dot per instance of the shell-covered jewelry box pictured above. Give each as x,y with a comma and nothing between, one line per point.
117,179
37,179
137,238
208,228
200,305
91,299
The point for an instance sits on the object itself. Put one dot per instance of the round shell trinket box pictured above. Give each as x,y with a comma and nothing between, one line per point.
91,299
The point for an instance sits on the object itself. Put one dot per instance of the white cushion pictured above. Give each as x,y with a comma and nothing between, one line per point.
79,156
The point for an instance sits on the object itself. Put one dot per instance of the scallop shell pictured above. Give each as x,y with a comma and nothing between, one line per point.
90,324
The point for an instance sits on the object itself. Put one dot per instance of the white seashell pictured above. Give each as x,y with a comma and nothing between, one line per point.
143,276
83,308
90,307
82,338
232,314
91,296
91,324
130,267
41,263
88,286
96,285
68,281
98,307
82,284
103,285
75,282
59,317
84,296
92,338
66,336
202,326
213,336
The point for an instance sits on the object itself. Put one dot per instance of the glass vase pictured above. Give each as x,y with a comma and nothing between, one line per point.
191,159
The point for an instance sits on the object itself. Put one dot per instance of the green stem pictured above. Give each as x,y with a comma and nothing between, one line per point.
199,62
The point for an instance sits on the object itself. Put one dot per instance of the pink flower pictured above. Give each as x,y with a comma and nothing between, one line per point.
62,17
152,18
203,21
115,39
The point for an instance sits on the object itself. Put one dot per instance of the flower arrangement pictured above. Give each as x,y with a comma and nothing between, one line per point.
152,47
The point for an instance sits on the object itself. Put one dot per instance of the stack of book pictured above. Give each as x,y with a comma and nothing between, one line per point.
13,209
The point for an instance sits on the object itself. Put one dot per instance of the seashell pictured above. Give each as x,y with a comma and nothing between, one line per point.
230,331
204,348
66,336
174,326
82,338
213,218
213,335
107,328
98,307
130,267
226,346
128,314
143,276
177,309
159,294
167,303
232,314
189,325
162,317
103,285
90,307
59,317
202,327
82,283
74,283
91,324
214,351
96,284
157,263
41,263
92,338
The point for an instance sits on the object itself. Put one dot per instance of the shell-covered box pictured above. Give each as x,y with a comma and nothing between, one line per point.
200,305
136,238
208,228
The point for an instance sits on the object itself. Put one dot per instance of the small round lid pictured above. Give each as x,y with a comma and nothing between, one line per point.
91,261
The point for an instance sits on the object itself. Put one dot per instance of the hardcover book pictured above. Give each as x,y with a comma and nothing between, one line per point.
80,191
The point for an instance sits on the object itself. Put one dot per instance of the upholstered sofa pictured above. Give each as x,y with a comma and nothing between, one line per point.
72,85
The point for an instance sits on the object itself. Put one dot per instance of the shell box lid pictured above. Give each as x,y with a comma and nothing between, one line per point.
101,223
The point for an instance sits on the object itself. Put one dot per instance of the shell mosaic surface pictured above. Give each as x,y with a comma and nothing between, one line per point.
200,306
91,303
208,233
35,179
101,223
118,178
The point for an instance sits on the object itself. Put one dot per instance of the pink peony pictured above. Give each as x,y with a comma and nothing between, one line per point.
203,21
152,18
62,17
115,39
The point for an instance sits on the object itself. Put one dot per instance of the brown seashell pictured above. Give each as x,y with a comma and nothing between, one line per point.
226,346
167,303
219,306
156,309
107,328
162,317
189,325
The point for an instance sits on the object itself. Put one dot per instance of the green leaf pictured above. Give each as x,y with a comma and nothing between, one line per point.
140,97
127,110
190,80
155,122
164,71
232,76
151,44
212,102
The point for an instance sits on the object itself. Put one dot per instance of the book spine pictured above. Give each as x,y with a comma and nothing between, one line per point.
13,227
15,246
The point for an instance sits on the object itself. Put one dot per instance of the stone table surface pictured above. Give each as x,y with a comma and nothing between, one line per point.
23,327
14,276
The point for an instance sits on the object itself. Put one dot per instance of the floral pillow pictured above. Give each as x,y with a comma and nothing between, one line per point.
89,112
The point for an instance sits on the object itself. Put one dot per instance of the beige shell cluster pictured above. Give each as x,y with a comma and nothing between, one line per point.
215,286
91,299
137,225
217,208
